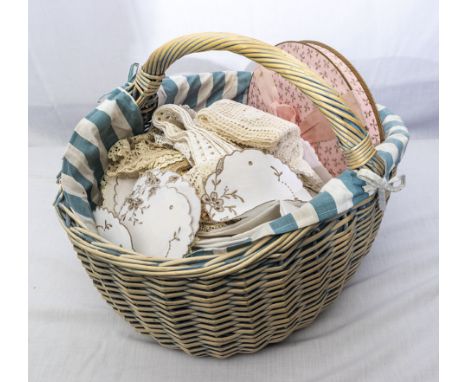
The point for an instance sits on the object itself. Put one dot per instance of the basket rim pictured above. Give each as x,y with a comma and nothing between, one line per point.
353,70
206,266
206,263
209,263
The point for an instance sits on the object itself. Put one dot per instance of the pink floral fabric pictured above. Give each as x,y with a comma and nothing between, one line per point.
271,93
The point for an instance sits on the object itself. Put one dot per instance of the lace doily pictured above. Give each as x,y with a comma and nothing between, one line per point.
247,126
197,145
131,157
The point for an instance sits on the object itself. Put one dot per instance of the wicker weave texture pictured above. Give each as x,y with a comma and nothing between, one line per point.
353,138
245,310
239,302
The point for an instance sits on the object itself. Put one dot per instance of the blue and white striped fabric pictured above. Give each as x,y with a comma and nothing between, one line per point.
118,116
396,139
201,90
85,158
345,191
337,195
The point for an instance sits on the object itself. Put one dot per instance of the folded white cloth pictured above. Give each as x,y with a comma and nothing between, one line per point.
264,213
179,129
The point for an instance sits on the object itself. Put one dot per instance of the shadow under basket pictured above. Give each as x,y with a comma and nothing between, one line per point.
257,293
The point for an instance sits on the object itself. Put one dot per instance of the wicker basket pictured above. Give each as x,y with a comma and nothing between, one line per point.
241,301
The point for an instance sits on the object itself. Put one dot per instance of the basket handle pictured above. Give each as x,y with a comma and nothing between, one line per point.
352,137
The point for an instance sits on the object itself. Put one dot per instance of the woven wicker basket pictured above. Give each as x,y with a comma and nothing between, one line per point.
241,301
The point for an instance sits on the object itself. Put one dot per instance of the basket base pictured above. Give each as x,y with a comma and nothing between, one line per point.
243,312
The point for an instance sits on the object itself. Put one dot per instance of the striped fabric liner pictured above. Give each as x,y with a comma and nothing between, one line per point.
201,90
117,117
337,195
85,158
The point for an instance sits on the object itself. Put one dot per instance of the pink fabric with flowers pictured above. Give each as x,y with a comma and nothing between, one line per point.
271,93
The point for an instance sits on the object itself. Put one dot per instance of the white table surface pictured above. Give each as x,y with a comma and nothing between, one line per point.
384,326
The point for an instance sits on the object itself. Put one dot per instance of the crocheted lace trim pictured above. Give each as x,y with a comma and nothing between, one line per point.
197,145
246,126
131,157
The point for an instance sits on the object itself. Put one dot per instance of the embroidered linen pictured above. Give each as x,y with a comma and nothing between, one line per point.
249,127
114,192
337,196
118,117
246,179
162,214
109,227
267,212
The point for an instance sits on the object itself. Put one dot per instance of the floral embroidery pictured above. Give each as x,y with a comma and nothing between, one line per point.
217,202
134,205
232,189
278,174
107,226
175,237
111,228
151,179
152,182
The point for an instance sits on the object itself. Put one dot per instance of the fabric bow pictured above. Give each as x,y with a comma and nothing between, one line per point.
314,126
380,184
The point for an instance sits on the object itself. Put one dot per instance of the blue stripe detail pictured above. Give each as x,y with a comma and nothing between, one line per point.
354,185
219,79
238,245
286,223
389,125
384,113
129,109
388,161
171,89
103,123
113,94
202,252
58,199
397,143
132,72
91,152
324,205
194,87
78,205
243,83
233,259
73,172
400,130
194,266
67,218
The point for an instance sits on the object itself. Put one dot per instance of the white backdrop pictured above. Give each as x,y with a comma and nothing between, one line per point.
79,50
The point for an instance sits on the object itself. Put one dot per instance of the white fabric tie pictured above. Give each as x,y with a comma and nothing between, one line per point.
375,183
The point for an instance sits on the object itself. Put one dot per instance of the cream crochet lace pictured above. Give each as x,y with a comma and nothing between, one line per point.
193,147
247,126
197,175
197,145
130,157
